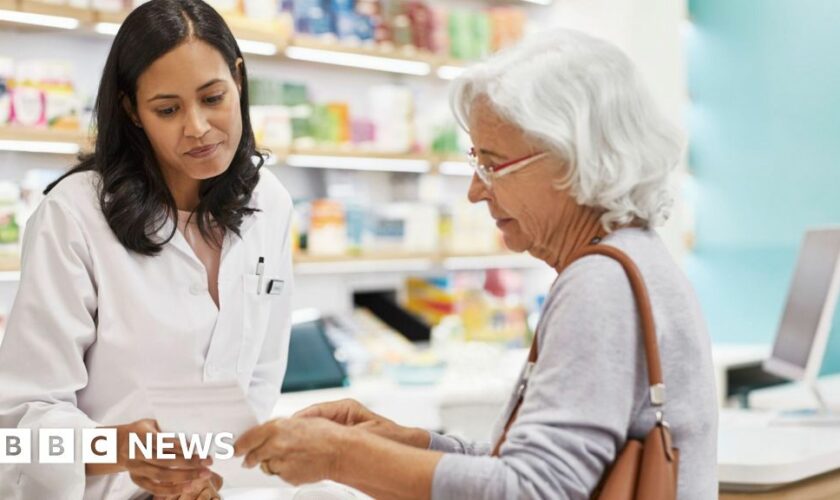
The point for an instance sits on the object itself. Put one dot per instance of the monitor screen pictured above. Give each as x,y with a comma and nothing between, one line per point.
312,363
809,294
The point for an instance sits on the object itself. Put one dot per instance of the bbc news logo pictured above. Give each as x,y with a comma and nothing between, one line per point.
99,446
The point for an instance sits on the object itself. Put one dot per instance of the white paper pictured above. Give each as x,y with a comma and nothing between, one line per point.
212,407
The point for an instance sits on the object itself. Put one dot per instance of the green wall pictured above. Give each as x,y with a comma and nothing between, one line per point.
764,125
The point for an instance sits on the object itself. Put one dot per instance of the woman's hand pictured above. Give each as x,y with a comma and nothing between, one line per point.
209,490
307,450
299,450
162,477
351,413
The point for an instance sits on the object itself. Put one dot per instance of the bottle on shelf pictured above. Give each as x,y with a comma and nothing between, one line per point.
9,229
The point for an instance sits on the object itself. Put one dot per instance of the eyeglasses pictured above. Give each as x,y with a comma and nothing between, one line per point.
487,174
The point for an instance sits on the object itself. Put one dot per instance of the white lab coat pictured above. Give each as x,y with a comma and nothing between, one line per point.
92,323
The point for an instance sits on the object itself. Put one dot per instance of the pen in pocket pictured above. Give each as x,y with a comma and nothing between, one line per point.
260,266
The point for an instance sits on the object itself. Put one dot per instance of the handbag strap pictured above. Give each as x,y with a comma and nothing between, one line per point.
643,306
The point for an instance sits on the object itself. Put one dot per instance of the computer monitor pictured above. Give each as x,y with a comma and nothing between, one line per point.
812,298
312,363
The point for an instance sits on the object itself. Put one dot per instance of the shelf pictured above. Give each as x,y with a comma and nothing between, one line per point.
271,32
387,263
42,140
378,58
271,38
346,264
9,276
50,9
69,142
102,16
498,261
348,159
453,164
40,17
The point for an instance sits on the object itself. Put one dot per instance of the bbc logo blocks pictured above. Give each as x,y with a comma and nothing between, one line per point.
15,446
99,446
58,446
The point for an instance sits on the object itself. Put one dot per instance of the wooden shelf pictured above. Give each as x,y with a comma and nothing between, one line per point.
407,53
12,133
354,153
270,31
329,259
9,276
384,263
49,9
349,264
44,141
275,32
422,63
423,162
433,159
101,16
9,267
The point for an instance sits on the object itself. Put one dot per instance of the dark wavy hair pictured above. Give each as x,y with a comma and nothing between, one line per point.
133,194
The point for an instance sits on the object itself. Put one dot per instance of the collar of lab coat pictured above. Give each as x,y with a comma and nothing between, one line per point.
179,243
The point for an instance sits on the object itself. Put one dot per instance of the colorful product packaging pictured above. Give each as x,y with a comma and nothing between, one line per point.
327,228
6,73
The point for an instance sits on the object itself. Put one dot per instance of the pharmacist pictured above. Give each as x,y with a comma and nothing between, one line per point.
162,257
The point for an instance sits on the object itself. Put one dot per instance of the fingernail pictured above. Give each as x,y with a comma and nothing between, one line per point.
249,464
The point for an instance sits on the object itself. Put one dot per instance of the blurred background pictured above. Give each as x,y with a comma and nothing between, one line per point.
405,297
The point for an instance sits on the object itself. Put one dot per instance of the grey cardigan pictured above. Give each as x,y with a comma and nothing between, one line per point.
588,391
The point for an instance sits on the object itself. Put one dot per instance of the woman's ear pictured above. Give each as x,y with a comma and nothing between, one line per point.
237,77
129,110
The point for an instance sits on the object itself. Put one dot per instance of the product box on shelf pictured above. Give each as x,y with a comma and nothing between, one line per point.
311,17
508,25
352,227
80,4
466,229
410,27
280,112
283,116
392,113
276,28
110,5
40,94
226,7
17,203
327,228
6,74
9,228
260,9
401,228
481,306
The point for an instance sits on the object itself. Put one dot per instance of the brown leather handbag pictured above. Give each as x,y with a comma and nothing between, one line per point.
645,469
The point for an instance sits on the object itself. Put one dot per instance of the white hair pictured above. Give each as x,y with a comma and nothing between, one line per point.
582,99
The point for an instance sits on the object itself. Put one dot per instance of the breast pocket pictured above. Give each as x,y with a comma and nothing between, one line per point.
256,316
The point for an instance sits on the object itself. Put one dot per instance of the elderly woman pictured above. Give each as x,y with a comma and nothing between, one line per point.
568,151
